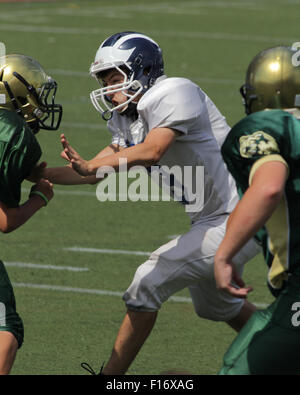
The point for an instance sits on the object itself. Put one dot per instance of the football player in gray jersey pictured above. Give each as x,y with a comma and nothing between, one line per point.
155,120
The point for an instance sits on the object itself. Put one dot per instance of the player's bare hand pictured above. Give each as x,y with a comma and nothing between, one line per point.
37,172
228,280
70,154
45,187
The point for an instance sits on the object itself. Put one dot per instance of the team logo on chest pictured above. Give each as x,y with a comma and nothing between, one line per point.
257,144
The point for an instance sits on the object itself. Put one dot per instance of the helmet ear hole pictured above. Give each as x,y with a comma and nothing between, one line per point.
147,70
22,100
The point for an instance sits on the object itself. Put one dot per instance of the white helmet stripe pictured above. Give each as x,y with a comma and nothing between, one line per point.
129,36
112,56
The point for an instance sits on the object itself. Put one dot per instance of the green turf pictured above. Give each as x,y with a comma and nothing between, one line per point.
210,42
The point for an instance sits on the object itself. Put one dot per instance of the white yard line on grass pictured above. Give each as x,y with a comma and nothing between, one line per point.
179,299
128,252
110,197
82,74
84,126
220,36
59,288
106,251
39,266
67,192
130,10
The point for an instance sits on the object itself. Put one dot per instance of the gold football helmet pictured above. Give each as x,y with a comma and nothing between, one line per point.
272,81
26,89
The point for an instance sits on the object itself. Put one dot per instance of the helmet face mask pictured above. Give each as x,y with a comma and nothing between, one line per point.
49,113
137,57
272,81
100,98
29,92
248,96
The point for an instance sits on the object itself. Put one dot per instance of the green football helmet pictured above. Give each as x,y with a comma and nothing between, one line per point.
26,89
272,81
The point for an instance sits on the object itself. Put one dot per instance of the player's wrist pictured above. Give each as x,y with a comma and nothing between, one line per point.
221,256
40,195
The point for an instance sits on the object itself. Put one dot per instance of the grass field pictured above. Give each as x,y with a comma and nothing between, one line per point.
71,303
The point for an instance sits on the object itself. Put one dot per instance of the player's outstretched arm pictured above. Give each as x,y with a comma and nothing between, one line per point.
146,153
66,175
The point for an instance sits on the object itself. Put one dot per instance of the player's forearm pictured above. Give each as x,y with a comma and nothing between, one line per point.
13,218
138,155
255,208
65,175
251,213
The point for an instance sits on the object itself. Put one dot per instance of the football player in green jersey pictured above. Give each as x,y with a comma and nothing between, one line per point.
262,152
25,90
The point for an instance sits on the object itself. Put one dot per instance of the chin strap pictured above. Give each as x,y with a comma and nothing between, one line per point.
12,97
131,111
106,115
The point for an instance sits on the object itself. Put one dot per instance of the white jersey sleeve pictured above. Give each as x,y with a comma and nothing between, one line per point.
174,103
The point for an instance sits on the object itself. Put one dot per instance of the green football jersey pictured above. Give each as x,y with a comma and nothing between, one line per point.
267,136
19,152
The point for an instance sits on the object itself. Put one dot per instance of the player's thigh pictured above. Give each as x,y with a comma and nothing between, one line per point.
211,303
180,263
199,243
174,266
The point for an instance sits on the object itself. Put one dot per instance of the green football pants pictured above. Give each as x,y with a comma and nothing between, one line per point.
269,343
9,319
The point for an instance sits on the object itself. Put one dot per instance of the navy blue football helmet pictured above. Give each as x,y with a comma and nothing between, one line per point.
137,57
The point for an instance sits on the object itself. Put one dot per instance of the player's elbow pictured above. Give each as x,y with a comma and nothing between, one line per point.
8,224
94,182
273,193
6,227
154,154
7,230
8,220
